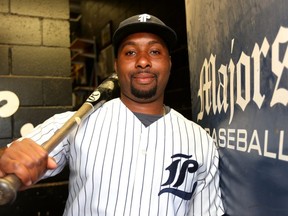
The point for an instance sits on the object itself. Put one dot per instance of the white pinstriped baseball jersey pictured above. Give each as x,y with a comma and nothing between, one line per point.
120,167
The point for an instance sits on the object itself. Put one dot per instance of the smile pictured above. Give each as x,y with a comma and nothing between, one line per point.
144,78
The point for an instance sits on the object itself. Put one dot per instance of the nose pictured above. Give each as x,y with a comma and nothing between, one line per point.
143,61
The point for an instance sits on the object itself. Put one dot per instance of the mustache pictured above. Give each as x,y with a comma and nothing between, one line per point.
139,72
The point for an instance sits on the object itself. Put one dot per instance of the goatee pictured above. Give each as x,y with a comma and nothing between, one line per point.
144,94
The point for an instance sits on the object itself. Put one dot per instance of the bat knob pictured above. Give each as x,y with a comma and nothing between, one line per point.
9,186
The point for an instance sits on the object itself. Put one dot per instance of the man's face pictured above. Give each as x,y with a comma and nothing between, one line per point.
143,66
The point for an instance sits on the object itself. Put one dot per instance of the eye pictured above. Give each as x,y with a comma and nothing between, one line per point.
130,53
155,52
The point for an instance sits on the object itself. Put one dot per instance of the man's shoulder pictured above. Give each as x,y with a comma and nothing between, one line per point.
180,116
112,102
182,119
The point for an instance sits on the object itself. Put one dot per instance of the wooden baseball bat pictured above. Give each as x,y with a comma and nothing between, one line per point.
107,90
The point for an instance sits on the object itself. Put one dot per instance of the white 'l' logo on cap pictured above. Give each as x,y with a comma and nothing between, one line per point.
144,17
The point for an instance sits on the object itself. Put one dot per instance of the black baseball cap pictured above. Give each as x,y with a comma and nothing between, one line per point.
144,23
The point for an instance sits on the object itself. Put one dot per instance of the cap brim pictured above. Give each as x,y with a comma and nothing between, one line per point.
165,32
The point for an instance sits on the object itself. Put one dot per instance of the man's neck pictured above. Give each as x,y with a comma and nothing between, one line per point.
150,108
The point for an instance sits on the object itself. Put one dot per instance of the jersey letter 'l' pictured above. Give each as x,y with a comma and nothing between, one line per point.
180,179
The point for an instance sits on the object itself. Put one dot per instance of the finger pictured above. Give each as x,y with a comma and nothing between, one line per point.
27,166
51,164
9,165
21,172
2,174
26,159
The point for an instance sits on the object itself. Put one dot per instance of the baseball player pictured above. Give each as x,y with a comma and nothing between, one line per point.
133,155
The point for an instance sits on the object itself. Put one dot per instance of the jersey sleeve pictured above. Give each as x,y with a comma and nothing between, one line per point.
44,132
207,200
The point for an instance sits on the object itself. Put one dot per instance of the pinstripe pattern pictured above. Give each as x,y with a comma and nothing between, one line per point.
118,166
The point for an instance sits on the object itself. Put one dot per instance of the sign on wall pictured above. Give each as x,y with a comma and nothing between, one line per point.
238,56
9,104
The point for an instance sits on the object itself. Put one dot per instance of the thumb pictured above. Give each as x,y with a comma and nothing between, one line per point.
51,163
2,174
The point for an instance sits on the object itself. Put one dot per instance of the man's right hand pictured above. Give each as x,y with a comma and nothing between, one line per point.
27,160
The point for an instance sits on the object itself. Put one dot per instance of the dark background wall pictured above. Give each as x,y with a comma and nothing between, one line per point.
35,65
35,62
35,72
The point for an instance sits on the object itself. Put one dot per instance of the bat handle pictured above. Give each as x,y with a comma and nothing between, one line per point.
9,186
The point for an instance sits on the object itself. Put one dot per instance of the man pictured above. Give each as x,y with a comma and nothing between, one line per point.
133,155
